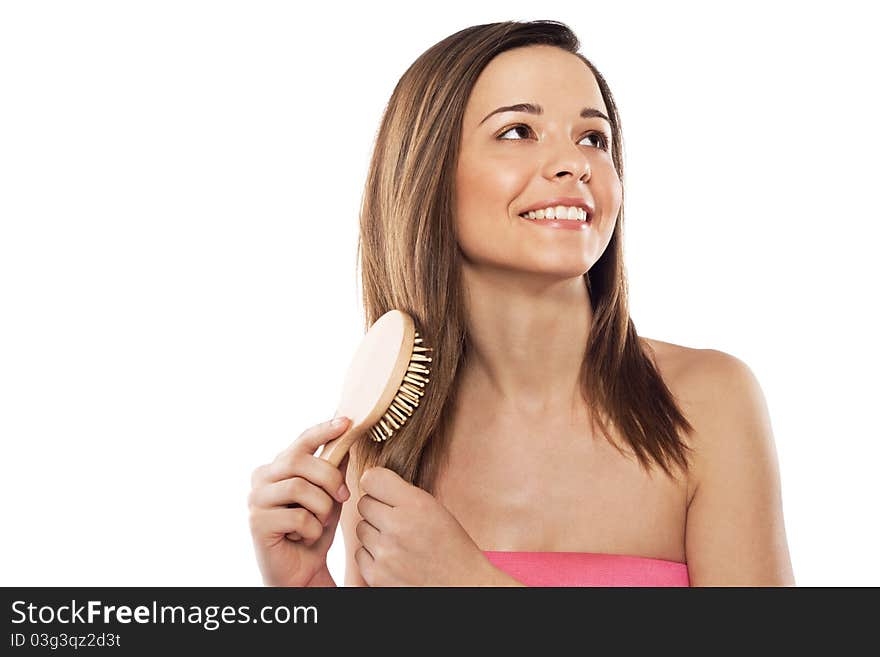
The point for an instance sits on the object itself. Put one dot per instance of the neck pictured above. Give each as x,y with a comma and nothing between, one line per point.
527,337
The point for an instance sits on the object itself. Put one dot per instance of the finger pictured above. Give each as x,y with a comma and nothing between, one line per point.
295,490
332,521
260,475
375,512
313,437
365,564
308,441
386,485
316,470
280,520
367,535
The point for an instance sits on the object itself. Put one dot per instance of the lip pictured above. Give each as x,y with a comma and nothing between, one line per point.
562,224
575,201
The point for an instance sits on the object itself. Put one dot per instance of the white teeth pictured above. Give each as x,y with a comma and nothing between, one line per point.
559,212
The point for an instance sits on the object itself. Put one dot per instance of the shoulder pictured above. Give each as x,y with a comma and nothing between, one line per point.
692,375
722,399
734,453
735,532
672,360
731,420
725,400
735,525
705,380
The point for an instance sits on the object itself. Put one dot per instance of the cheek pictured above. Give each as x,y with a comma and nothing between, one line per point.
486,189
483,207
607,191
474,235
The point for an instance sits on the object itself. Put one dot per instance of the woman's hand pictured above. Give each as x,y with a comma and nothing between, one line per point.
409,539
295,503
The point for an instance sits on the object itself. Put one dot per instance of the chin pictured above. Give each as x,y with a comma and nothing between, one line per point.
559,273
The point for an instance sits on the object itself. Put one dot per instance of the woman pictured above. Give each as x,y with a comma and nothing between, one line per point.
554,446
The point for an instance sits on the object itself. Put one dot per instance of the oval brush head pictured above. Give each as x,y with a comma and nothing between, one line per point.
383,386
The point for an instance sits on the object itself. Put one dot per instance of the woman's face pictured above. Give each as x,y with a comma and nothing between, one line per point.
504,170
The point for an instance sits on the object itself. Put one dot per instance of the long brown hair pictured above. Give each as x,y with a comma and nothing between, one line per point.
410,260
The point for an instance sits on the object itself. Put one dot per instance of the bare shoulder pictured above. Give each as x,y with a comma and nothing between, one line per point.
729,409
735,533
709,386
722,399
701,379
735,526
672,360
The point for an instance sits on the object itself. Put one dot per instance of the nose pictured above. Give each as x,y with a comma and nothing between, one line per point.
570,161
582,178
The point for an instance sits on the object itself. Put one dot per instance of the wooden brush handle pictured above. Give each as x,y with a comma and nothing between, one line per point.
336,449
334,452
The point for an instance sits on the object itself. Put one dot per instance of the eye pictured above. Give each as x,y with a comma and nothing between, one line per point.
513,127
604,140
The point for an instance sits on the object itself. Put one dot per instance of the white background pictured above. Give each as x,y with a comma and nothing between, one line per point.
179,186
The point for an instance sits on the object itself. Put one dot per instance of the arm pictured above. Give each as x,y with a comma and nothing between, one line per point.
322,578
735,533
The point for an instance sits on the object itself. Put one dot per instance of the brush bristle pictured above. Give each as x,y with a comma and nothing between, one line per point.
407,398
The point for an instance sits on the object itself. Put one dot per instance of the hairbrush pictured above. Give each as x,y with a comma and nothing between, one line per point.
383,386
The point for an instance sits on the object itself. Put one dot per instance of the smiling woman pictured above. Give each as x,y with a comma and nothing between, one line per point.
493,214
554,446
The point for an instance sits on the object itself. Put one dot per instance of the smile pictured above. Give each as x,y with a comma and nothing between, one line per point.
558,213
580,221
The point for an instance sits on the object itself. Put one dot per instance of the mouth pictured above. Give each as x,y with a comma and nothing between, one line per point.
560,214
581,220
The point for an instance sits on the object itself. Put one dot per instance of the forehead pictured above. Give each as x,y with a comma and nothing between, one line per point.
546,75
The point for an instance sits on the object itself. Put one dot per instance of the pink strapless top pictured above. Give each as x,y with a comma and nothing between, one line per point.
588,569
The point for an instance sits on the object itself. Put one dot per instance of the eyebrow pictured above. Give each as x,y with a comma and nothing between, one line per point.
534,108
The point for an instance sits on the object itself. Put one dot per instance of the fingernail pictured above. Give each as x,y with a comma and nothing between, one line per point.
342,493
339,421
